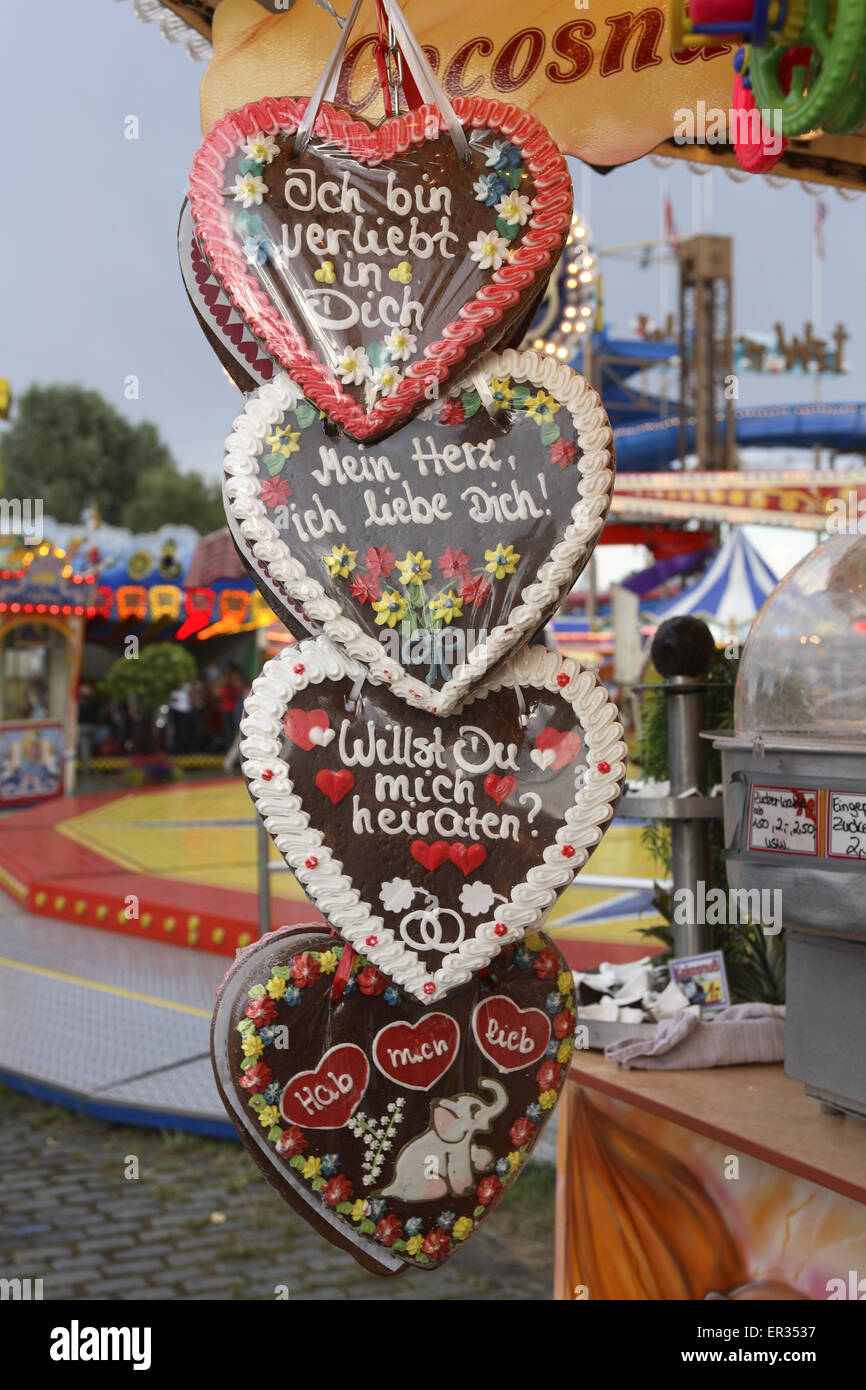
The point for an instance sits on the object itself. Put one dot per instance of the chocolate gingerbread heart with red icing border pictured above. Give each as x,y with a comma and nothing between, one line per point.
394,1130
375,264
393,828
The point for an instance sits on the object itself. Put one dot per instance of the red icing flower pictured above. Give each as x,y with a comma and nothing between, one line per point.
436,1243
475,590
546,964
453,562
256,1078
291,1142
305,970
338,1189
452,413
562,453
388,1229
379,561
275,492
563,1024
262,1010
521,1131
488,1190
548,1075
366,587
372,981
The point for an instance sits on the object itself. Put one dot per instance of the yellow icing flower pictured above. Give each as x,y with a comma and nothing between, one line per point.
328,962
252,1046
414,1243
501,390
446,607
564,982
285,441
359,1210
312,1168
326,274
547,1100
565,1050
401,273
268,1115
391,608
541,407
513,1160
462,1228
415,569
341,561
534,942
276,988
501,561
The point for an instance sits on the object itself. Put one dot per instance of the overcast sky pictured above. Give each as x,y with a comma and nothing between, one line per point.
91,287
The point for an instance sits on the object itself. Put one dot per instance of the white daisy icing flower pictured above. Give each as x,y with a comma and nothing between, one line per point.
515,209
262,148
353,367
248,189
489,249
400,344
386,379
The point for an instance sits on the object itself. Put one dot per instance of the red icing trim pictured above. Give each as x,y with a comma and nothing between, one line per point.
552,207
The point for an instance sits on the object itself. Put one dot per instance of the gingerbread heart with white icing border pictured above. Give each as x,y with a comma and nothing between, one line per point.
392,1129
400,828
358,540
374,265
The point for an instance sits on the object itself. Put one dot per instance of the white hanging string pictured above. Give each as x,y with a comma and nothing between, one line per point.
429,88
327,83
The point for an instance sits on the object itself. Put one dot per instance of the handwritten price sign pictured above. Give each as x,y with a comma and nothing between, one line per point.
783,820
846,825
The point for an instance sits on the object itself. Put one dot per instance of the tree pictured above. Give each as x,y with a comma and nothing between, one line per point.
150,678
70,447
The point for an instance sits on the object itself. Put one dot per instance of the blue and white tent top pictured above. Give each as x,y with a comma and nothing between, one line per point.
731,590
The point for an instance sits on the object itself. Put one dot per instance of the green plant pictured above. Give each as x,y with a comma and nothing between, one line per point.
151,677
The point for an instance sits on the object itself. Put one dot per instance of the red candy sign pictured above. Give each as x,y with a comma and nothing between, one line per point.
328,1097
511,1038
416,1055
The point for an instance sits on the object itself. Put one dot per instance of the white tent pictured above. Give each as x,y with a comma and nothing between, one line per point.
731,590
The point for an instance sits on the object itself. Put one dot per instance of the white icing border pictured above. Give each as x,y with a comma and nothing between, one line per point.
555,576
332,889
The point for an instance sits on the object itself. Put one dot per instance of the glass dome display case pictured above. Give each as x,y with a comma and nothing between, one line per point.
795,807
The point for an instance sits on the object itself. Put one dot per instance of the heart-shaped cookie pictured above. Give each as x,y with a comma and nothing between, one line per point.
436,553
375,264
393,1130
394,830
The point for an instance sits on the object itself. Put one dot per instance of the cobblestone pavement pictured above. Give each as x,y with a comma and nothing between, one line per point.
201,1223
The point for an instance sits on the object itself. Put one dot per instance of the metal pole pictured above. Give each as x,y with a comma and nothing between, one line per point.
263,844
688,837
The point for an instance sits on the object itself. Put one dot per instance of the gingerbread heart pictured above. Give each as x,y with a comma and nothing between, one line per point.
393,1130
437,553
374,265
391,828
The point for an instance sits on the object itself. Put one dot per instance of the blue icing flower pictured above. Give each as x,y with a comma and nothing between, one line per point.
412,1227
292,996
330,1164
489,188
533,1111
447,1219
392,995
553,1002
257,249
268,1033
552,1048
350,985
378,1207
523,959
272,1093
503,1167
509,156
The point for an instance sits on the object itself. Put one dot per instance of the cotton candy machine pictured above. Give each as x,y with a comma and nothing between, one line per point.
795,808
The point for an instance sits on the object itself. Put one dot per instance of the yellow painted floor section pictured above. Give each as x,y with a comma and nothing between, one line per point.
179,833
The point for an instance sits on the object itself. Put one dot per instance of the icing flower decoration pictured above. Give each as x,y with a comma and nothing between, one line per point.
261,1010
291,1142
400,344
392,995
501,155
489,189
547,1100
452,413
563,1024
252,1046
248,189
402,273
353,367
312,1167
413,1244
386,379
326,274
564,982
359,1210
489,249
275,492
372,981
379,561
515,209
413,1225
562,452
328,962
546,965
257,249
462,1228
268,1116
305,970
453,562
548,1075
276,987
366,588
436,1243
337,1190
396,894
415,569
533,1111
501,390
262,148
474,591
446,607
256,1078
541,407
521,1132
341,561
285,441
391,608
330,1164
564,1051
501,561
476,899
489,1189
388,1230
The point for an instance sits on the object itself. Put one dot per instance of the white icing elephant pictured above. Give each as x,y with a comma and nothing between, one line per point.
443,1160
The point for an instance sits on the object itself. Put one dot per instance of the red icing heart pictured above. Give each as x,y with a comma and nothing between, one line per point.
415,1055
565,743
468,858
298,724
335,785
327,1097
512,1038
499,788
431,856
